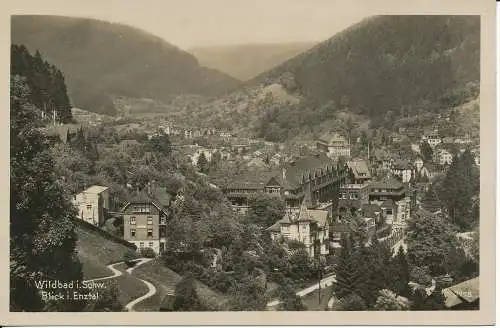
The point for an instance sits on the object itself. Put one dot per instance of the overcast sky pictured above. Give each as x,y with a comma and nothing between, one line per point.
191,23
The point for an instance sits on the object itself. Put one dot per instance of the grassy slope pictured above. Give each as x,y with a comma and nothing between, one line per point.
165,281
96,252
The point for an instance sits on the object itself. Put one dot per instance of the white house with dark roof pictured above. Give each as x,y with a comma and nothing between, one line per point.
334,145
309,227
403,170
92,204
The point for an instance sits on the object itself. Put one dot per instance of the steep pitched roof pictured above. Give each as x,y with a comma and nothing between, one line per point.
319,216
297,169
467,291
303,213
95,189
359,168
332,137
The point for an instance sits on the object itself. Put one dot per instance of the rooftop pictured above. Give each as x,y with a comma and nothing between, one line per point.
387,183
332,138
95,189
359,168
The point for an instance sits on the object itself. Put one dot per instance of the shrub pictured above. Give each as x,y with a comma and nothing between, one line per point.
129,257
148,252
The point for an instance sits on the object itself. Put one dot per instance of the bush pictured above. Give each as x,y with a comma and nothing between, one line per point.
129,257
147,252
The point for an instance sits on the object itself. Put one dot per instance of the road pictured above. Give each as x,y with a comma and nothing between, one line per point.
328,281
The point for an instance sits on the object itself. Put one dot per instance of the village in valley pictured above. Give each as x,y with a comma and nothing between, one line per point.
297,190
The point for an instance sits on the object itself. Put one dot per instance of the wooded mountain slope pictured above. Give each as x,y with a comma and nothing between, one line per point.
382,69
386,62
100,59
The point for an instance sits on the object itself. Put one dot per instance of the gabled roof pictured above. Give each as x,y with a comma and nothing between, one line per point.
332,137
95,189
302,167
467,291
359,168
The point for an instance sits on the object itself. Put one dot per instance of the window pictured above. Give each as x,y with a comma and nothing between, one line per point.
150,244
132,232
132,220
150,232
150,220
141,244
89,207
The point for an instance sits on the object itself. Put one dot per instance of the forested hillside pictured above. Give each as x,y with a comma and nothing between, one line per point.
379,71
102,59
45,81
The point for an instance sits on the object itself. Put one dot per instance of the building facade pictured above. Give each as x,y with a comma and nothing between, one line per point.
310,227
144,222
313,179
93,204
334,145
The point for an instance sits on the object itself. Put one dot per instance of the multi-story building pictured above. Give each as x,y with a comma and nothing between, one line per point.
334,145
309,227
352,197
433,138
442,157
145,218
359,172
93,203
311,178
391,196
403,170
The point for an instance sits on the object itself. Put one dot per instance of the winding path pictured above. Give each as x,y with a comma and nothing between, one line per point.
151,289
117,273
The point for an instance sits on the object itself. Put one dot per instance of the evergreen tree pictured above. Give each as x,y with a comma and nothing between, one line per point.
348,276
400,273
426,151
458,188
202,162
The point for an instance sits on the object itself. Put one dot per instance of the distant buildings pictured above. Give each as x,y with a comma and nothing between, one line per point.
391,195
432,137
145,218
403,170
334,145
93,203
442,157
309,227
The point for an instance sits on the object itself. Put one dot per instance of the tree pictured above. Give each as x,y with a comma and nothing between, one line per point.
458,189
291,301
348,276
351,302
248,295
430,238
426,151
202,163
42,236
161,144
186,297
265,210
389,301
400,273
